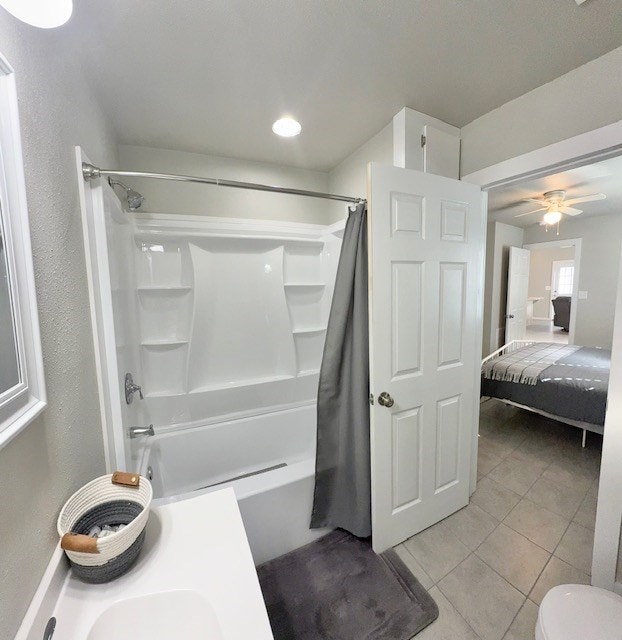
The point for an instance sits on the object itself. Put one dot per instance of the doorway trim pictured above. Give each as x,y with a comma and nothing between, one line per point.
583,149
578,151
576,243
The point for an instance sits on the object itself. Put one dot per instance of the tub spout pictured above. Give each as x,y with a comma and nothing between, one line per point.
136,432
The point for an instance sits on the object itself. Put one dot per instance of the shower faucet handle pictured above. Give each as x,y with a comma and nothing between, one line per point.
131,388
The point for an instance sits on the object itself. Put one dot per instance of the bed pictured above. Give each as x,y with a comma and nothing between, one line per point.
567,383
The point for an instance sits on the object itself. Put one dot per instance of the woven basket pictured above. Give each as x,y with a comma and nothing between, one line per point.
117,498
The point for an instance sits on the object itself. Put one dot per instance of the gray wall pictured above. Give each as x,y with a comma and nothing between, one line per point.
63,449
197,199
600,257
349,177
581,100
500,237
540,273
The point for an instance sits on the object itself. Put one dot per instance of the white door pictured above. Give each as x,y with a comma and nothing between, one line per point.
518,288
426,274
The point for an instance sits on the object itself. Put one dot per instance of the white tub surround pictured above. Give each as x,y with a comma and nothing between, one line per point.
194,579
231,315
222,322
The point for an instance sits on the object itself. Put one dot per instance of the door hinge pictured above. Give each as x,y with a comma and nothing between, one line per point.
371,398
423,140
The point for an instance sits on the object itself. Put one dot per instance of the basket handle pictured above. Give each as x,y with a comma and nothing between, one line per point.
79,542
126,479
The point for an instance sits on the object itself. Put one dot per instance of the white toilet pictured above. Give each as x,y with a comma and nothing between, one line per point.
579,612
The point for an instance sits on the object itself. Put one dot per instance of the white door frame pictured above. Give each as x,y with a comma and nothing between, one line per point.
586,148
576,243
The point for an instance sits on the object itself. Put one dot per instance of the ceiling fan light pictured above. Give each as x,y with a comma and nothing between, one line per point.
45,14
552,217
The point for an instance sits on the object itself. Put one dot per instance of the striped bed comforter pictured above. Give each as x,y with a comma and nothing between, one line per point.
566,381
526,364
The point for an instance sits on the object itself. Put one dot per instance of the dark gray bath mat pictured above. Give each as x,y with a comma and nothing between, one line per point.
337,588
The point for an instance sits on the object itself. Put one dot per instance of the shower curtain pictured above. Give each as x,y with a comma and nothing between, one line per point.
342,495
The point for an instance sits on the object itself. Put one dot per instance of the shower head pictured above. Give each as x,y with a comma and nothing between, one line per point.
134,199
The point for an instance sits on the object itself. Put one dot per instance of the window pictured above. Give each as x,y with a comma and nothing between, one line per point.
22,392
564,280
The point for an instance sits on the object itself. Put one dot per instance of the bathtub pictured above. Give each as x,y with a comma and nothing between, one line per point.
268,460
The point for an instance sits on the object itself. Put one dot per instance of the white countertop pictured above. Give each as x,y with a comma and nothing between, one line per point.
196,544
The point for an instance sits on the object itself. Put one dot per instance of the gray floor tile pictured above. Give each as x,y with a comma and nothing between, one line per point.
538,524
510,434
415,568
437,550
496,448
556,572
586,461
524,625
449,625
495,408
586,515
517,474
513,557
566,473
494,498
483,598
486,461
471,525
576,547
559,498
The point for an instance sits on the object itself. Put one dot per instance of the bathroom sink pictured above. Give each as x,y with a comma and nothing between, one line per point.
158,616
176,590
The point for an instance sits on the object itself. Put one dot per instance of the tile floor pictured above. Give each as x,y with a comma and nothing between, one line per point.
529,526
545,332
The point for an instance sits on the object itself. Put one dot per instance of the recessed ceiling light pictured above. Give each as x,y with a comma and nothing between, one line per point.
287,127
45,14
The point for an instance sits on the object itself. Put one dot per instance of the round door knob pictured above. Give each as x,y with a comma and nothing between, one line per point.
510,316
385,399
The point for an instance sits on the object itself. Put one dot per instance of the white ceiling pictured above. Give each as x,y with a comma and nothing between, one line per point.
211,76
602,177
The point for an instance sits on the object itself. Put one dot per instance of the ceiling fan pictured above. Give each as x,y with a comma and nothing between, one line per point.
555,204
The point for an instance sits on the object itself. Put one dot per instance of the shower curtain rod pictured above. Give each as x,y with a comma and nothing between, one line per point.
91,172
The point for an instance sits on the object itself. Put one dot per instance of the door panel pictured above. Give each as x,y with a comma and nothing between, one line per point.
426,274
451,304
407,321
406,447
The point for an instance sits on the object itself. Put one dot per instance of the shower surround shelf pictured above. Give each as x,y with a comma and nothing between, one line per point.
164,289
295,285
242,383
304,330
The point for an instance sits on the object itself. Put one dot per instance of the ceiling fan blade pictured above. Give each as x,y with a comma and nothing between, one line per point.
569,211
590,198
520,215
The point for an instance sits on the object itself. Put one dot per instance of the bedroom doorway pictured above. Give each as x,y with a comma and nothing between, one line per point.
553,290
577,153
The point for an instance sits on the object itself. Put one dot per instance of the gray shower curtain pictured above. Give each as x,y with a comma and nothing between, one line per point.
342,495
